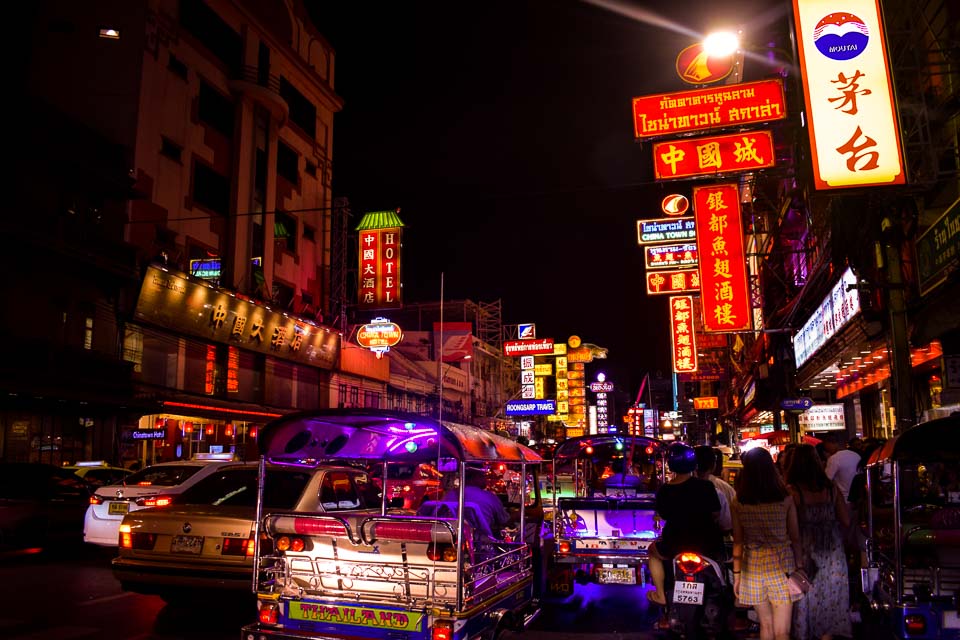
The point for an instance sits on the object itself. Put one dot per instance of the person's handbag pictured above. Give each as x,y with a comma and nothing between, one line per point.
798,583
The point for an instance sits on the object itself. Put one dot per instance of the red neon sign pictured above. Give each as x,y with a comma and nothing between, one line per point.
665,114
673,282
682,334
723,266
379,286
713,155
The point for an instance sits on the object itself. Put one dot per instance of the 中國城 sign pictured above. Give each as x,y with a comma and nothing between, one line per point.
673,282
712,155
854,137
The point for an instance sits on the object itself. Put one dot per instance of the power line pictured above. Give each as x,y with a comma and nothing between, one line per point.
233,215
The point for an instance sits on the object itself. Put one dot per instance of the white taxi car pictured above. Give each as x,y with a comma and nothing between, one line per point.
152,486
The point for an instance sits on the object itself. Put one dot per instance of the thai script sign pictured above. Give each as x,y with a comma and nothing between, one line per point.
665,256
854,136
681,334
938,249
673,282
713,155
601,387
836,310
700,109
664,230
538,346
379,279
723,266
171,300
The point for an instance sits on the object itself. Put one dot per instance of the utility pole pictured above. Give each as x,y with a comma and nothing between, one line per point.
888,258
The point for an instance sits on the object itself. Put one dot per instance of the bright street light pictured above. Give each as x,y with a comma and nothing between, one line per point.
721,44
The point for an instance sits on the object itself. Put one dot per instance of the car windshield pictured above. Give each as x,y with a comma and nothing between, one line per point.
237,487
162,476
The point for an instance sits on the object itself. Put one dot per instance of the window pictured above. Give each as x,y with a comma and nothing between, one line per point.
342,396
282,294
302,112
305,296
343,491
177,67
288,163
88,333
371,400
215,110
308,233
170,149
213,33
285,231
311,169
354,397
210,189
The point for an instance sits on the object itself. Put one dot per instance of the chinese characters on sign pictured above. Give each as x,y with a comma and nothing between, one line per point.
379,285
713,155
853,127
699,109
673,282
665,256
723,267
379,335
681,334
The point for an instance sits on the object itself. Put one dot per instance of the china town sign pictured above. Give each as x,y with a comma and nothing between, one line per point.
379,335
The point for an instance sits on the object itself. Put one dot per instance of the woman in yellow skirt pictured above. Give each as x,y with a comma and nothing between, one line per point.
766,544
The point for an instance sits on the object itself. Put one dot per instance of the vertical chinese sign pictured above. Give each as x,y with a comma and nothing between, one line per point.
723,266
682,335
379,284
846,79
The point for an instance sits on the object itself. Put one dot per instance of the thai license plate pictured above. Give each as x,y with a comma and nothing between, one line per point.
187,544
118,508
688,592
951,620
618,575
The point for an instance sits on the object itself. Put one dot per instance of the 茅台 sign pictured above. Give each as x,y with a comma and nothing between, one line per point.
723,266
836,310
854,138
713,155
673,282
682,334
823,417
666,256
379,279
666,230
712,108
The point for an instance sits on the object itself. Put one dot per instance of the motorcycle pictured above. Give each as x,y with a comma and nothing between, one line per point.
700,600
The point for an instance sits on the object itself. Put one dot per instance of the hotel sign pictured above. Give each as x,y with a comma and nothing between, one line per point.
667,114
379,279
673,282
723,265
854,137
682,334
665,256
713,155
666,230
379,335
171,300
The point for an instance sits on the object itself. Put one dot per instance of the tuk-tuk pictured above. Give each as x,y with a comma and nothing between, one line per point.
912,523
436,572
602,532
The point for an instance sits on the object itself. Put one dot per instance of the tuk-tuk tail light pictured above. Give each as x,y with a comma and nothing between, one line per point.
916,625
564,547
269,612
442,630
442,552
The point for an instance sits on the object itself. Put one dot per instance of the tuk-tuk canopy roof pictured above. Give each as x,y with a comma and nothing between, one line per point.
603,445
928,441
371,434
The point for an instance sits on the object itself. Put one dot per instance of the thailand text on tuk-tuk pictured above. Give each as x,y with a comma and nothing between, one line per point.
431,572
604,518
912,528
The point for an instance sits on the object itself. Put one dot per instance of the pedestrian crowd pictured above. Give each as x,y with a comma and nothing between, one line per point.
797,545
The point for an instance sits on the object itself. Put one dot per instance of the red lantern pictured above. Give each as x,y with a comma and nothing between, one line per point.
210,429
228,430
188,427
160,423
253,432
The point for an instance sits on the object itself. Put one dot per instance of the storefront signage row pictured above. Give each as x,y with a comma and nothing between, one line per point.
938,250
666,230
172,301
713,155
836,310
711,108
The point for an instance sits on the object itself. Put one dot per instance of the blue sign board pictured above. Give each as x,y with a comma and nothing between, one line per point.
796,404
531,407
149,434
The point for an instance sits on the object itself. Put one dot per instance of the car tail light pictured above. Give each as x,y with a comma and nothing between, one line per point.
915,625
442,552
155,501
136,540
126,538
442,630
237,547
269,612
691,563
564,547
407,488
95,499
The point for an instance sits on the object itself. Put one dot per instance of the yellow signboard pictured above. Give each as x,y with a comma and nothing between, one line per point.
543,369
357,616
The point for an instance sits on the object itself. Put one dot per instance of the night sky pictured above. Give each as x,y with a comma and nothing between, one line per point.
502,130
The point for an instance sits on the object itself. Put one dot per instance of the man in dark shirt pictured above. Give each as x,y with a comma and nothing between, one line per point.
689,508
